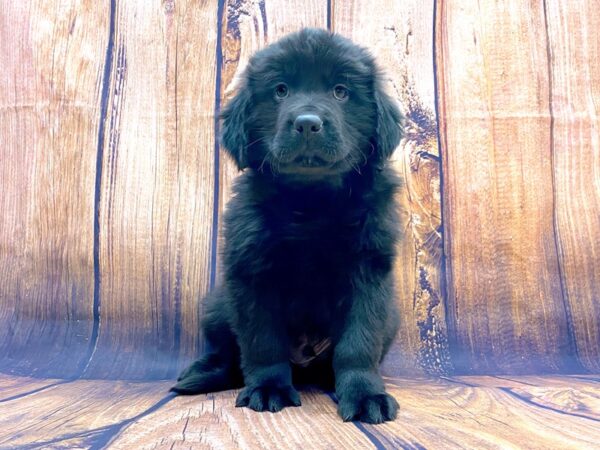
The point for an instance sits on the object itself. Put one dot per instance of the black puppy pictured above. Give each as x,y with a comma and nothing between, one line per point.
309,233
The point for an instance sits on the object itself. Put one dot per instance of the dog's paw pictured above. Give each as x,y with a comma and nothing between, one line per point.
369,408
268,398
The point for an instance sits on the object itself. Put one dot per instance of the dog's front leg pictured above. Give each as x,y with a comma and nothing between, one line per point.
264,357
358,352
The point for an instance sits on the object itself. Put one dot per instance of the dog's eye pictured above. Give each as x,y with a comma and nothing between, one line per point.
340,92
281,90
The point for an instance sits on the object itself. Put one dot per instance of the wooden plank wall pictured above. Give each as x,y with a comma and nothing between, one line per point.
156,202
519,98
52,61
574,73
400,36
113,183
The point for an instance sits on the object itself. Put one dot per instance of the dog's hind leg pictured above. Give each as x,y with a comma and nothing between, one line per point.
391,329
219,369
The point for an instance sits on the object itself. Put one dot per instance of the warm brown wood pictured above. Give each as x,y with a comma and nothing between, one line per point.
12,387
247,27
570,395
157,188
213,422
79,414
245,31
466,412
574,74
399,35
449,414
130,104
505,301
50,80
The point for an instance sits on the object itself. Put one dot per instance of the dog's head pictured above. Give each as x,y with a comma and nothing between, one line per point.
310,106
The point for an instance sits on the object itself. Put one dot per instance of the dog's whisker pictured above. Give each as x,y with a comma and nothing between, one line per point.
264,160
365,157
255,141
372,148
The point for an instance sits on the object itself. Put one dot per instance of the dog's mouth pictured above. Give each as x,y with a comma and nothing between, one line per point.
310,162
307,165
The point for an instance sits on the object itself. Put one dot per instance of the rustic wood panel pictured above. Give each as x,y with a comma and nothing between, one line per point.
212,422
457,415
505,303
248,26
157,187
50,84
108,121
465,412
80,414
565,394
12,387
399,35
574,73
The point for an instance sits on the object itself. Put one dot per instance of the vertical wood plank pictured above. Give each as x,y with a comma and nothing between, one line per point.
248,26
574,49
157,188
505,301
51,56
400,35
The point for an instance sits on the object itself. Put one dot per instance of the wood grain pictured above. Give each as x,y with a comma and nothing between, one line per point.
157,188
464,412
574,73
248,26
399,35
80,414
113,184
212,422
505,302
454,415
51,60
12,387
565,394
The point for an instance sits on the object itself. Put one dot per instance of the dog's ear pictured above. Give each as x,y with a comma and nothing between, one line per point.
234,135
389,129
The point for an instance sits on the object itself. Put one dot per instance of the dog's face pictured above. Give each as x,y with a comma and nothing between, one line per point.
309,107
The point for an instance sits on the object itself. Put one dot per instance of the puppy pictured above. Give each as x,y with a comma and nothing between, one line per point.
309,232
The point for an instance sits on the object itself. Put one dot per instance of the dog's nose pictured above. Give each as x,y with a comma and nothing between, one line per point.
308,123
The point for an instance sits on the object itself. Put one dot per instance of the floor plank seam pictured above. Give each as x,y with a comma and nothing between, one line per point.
121,426
459,382
521,398
35,391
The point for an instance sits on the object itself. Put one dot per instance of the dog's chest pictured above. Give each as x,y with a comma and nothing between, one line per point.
313,258
315,246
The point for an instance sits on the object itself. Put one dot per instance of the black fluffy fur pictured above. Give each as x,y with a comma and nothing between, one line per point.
308,250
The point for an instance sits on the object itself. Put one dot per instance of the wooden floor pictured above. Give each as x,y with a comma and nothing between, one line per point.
462,412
